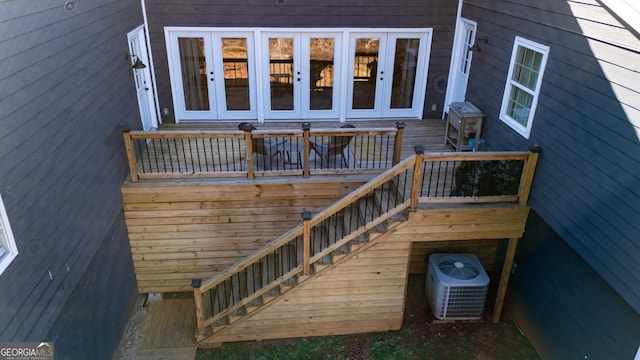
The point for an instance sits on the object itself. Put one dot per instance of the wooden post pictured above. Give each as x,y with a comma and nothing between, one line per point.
527,174
397,148
523,197
197,295
417,176
131,155
307,148
306,238
248,139
504,279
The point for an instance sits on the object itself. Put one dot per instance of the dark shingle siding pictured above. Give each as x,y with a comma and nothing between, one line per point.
65,90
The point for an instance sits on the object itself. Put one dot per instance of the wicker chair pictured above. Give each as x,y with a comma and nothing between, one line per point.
265,147
337,145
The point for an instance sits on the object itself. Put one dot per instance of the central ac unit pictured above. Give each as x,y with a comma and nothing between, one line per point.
456,286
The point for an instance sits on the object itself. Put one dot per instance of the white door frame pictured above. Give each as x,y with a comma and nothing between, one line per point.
457,82
137,43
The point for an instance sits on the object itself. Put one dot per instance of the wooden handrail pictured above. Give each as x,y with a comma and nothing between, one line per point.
299,230
248,137
417,161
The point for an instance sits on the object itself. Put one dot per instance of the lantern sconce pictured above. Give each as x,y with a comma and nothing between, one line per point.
476,47
138,64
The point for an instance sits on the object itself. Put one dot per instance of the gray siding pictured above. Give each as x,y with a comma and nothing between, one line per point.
569,301
587,185
65,92
436,14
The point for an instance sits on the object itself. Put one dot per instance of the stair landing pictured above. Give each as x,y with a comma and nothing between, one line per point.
171,329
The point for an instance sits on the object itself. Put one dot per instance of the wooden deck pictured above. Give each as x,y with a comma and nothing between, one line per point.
183,229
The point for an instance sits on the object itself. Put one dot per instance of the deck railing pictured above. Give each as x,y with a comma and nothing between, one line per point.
422,178
170,154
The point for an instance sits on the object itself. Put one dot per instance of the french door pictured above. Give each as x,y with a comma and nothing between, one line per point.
214,77
258,74
300,75
387,74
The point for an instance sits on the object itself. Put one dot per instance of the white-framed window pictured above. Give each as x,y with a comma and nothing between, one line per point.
8,249
528,61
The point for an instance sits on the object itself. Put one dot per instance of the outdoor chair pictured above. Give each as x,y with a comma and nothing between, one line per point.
267,148
337,145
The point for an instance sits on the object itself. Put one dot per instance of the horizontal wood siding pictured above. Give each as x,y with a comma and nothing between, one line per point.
564,307
65,91
480,231
437,14
363,294
191,230
587,184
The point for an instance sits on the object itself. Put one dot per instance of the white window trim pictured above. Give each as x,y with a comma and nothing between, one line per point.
9,243
516,126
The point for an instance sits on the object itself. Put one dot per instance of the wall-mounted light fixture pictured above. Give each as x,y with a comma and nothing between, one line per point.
476,47
138,64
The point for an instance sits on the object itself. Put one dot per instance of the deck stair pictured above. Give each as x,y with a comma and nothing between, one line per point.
343,230
336,234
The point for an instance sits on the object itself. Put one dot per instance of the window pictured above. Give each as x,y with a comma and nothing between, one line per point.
528,61
8,249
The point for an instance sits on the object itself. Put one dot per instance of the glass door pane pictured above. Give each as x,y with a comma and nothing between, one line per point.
321,73
407,55
281,56
235,59
194,73
365,72
320,85
404,73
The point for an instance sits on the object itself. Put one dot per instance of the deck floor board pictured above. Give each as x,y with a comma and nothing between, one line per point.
172,325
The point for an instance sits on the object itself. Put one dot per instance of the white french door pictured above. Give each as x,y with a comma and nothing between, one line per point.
213,75
300,75
387,74
310,74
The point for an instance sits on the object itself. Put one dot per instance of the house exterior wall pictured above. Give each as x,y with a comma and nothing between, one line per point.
65,92
437,14
571,312
587,184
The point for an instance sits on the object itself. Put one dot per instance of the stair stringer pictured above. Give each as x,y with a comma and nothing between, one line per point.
361,292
